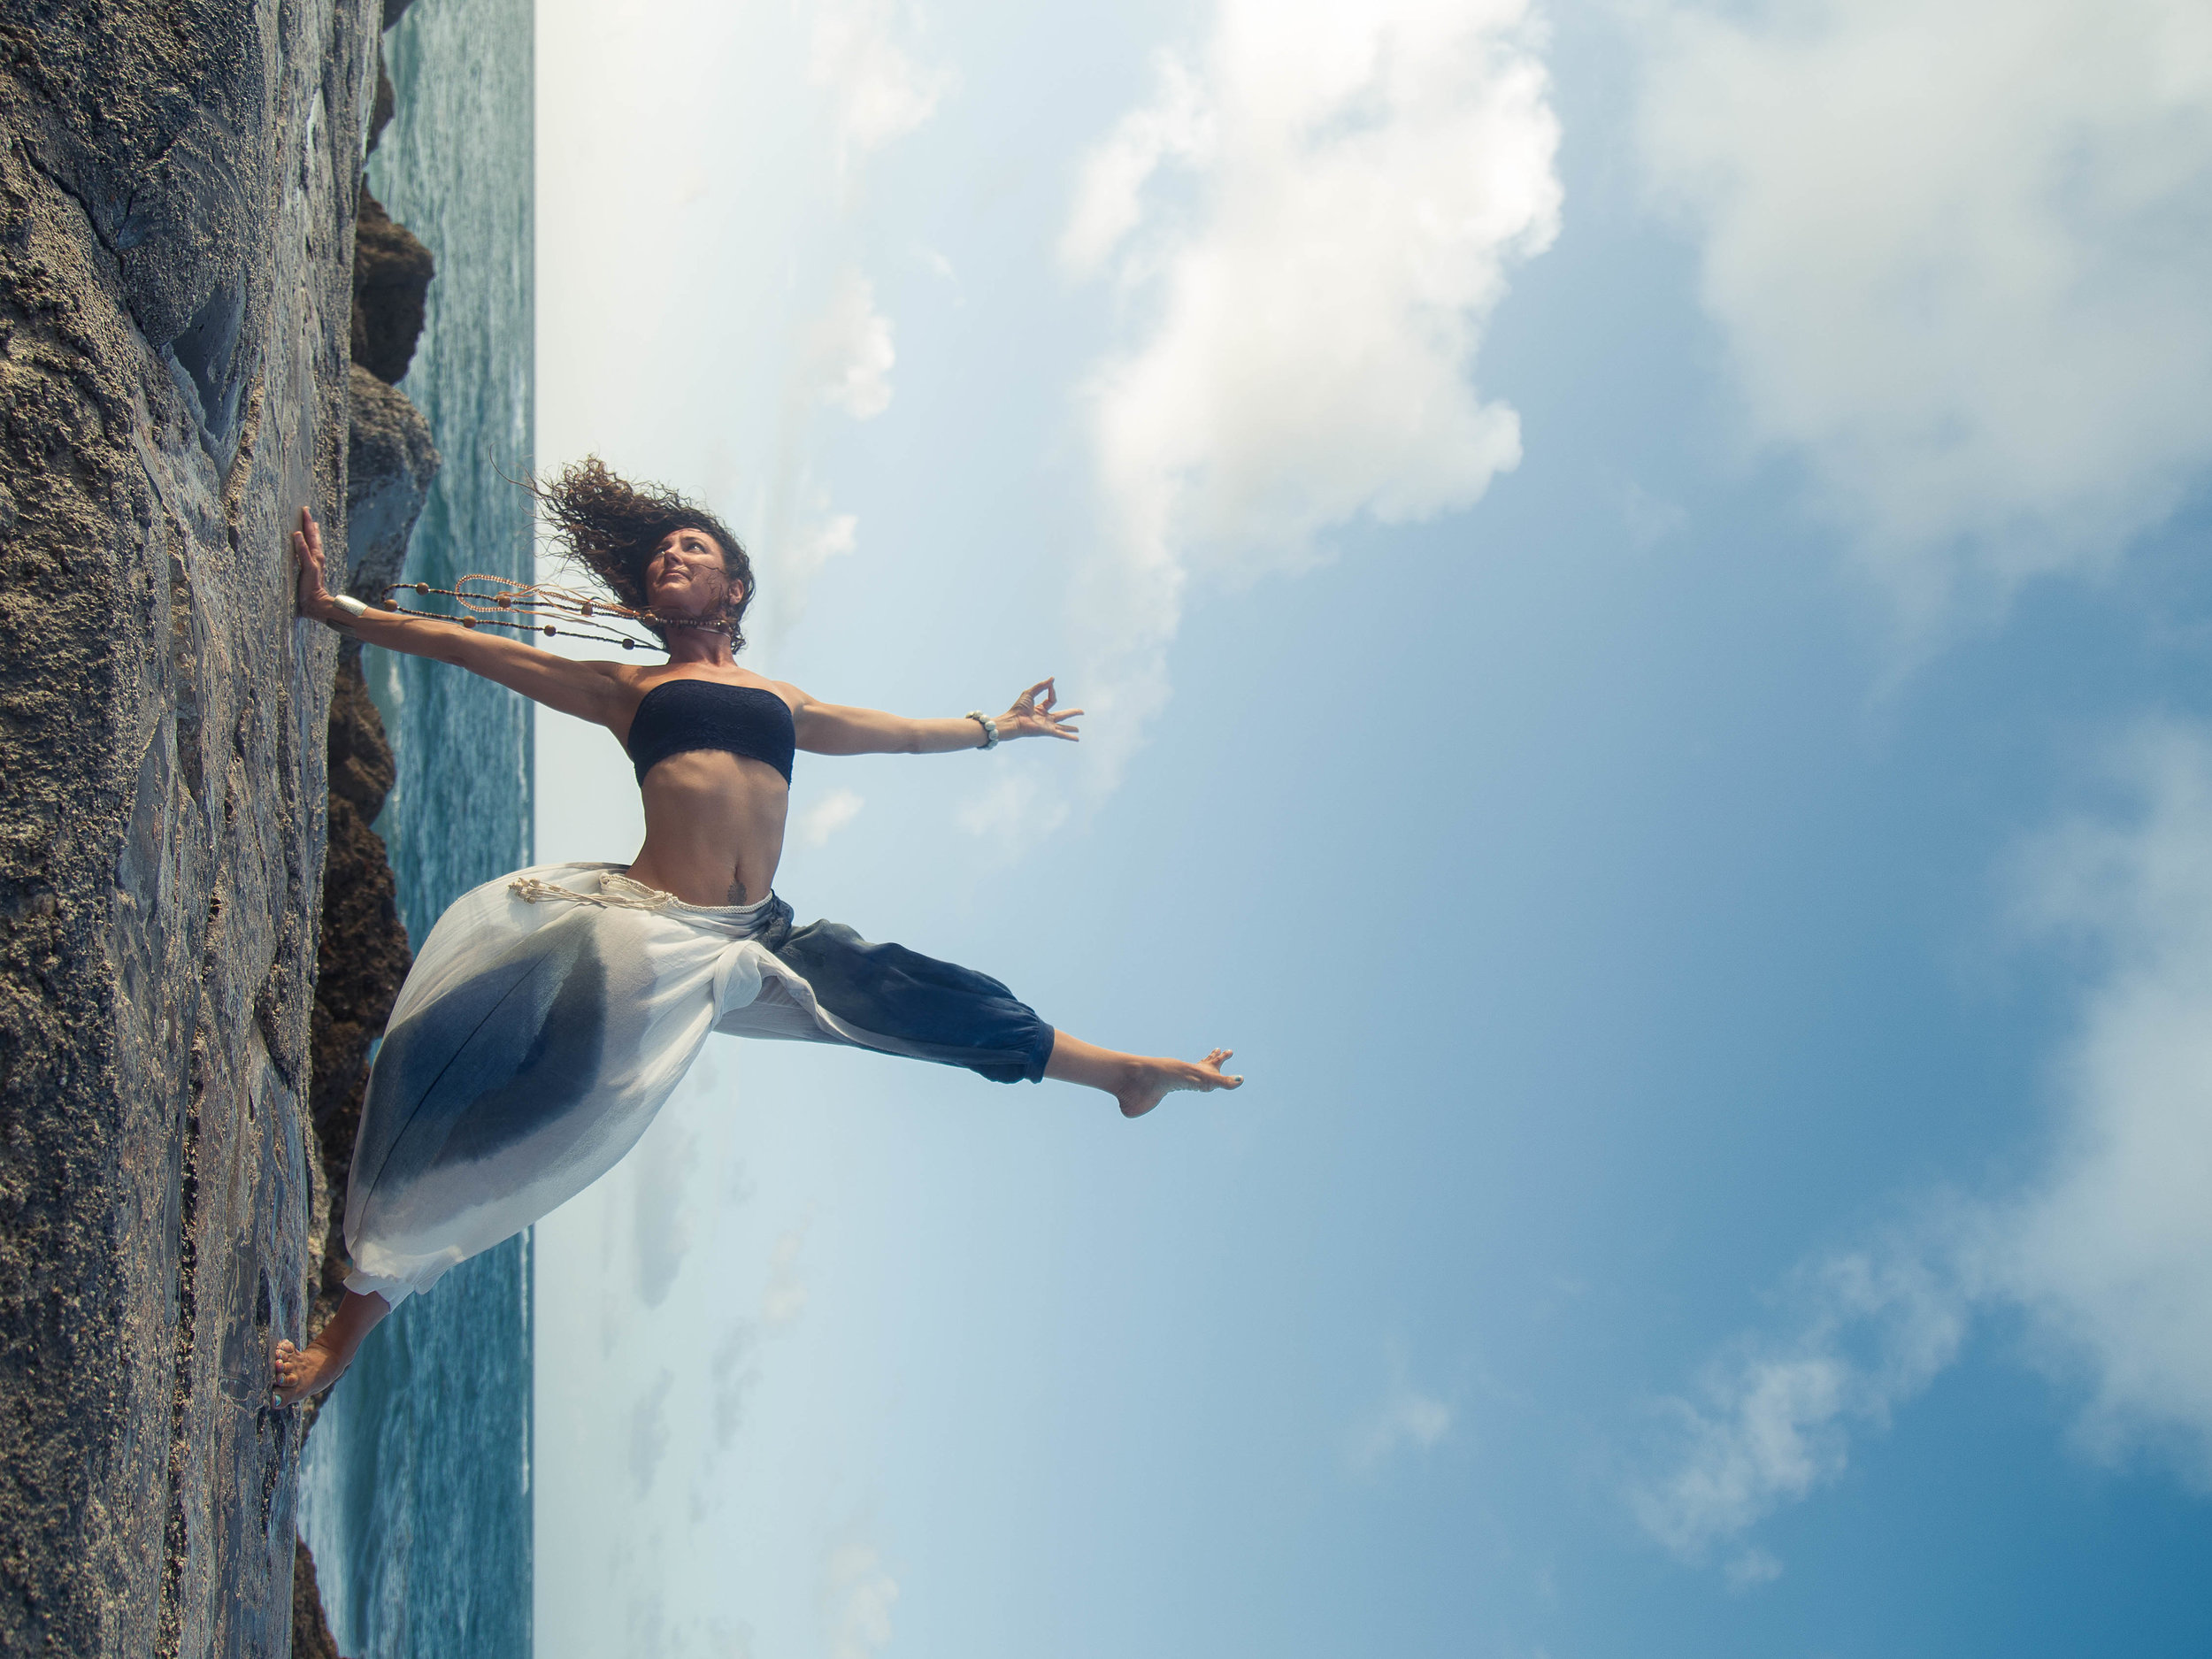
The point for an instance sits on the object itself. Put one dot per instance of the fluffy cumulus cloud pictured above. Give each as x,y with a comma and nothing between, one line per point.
734,1372
802,533
2108,1253
648,1431
1773,1420
1014,808
2112,1253
783,1298
828,815
842,355
843,361
1309,223
857,1598
878,88
662,1208
852,354
818,540
1957,250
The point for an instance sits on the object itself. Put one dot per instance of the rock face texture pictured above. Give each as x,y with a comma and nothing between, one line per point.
177,192
382,106
363,954
391,276
389,464
311,1631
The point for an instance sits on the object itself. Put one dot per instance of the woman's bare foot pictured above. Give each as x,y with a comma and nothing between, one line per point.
1138,1081
1150,1081
295,1373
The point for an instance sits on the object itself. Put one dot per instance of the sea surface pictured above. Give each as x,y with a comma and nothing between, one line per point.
416,1491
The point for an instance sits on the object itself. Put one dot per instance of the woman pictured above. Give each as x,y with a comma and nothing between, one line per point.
550,1013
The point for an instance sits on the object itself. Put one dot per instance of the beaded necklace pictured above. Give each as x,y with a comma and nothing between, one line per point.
535,608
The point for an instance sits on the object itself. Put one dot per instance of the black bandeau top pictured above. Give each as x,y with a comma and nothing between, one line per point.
679,715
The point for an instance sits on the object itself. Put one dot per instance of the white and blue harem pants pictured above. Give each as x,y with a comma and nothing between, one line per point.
551,1012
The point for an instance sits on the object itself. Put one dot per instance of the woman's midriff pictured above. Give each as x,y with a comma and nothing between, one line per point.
714,827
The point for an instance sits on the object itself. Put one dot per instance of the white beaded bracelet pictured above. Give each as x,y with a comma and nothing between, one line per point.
989,726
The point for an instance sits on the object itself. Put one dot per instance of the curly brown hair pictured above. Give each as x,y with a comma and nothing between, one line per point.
612,526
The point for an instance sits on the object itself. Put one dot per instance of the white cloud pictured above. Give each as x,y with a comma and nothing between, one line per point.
876,87
2112,1252
827,815
879,91
648,1628
852,353
1409,1417
801,534
857,1595
661,1207
783,1299
843,361
1752,1568
1354,180
734,1374
1014,809
2107,1252
1773,1419
648,1431
1178,125
735,1370
1957,250
814,544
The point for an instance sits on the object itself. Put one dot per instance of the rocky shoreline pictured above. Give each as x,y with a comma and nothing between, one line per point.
197,931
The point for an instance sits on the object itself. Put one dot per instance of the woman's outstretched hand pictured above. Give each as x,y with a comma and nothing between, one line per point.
1033,715
311,599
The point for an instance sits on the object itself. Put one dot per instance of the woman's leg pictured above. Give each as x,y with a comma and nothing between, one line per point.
1138,1081
295,1373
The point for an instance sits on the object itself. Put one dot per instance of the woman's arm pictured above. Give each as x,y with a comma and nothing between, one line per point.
590,691
829,728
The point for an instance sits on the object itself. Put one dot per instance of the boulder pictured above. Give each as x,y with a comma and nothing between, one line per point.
311,1631
389,464
383,106
391,277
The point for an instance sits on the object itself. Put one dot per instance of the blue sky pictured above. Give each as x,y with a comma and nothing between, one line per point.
1640,576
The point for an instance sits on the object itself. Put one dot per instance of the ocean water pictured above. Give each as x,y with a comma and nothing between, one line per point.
416,1487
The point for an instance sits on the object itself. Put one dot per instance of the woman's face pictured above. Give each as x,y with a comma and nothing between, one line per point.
686,575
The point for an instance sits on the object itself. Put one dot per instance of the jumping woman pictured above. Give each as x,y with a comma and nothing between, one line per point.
551,1012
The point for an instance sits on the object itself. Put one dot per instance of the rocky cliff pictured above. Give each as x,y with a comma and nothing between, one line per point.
362,955
391,281
177,197
311,1631
390,462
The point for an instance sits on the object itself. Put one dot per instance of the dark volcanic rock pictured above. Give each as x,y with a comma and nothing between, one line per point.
391,276
177,190
364,955
383,106
311,1631
389,464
